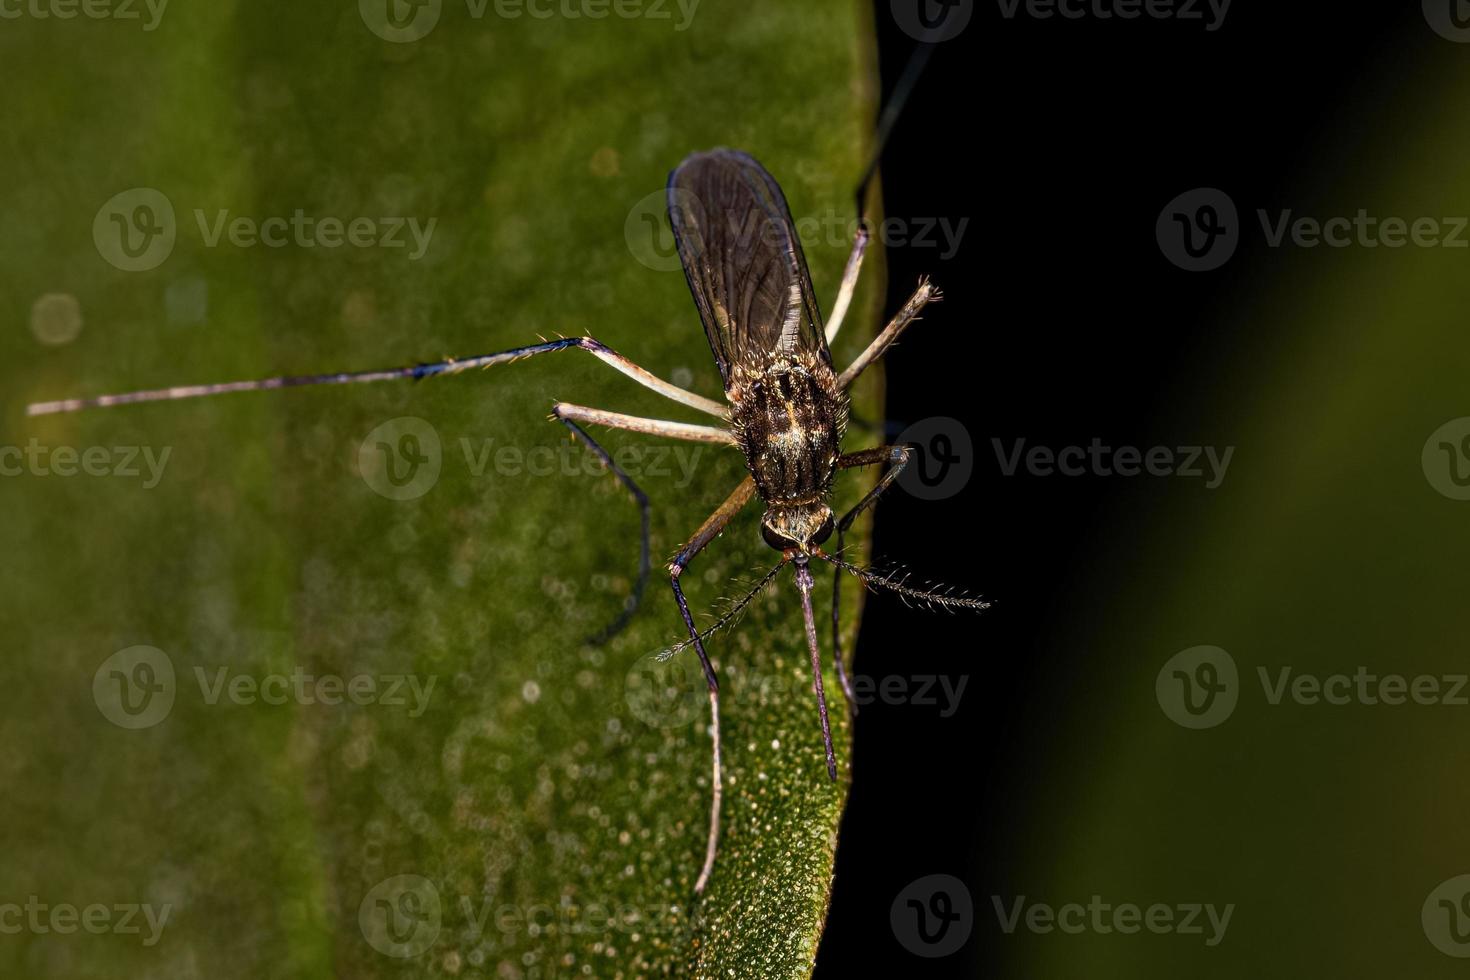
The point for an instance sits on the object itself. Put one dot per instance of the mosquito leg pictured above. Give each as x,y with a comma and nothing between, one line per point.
897,457
569,415
652,427
804,583
854,265
891,111
630,605
925,294
593,346
849,280
707,532
842,678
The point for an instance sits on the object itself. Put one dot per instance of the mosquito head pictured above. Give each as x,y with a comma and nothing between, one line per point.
797,527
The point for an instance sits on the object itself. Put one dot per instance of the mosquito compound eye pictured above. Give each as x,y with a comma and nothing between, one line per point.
824,532
776,539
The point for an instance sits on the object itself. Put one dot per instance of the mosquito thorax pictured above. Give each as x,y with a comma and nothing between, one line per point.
788,420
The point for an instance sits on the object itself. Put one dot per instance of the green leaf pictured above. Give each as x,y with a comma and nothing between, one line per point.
521,817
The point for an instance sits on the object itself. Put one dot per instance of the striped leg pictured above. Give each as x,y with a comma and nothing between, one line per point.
594,347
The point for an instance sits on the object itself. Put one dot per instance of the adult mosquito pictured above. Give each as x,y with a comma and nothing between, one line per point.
785,408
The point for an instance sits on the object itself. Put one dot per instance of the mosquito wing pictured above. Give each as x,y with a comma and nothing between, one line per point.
743,260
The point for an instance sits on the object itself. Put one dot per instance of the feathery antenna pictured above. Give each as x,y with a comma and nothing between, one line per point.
730,614
932,595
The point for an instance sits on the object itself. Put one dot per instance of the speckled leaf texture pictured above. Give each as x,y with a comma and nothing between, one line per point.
311,688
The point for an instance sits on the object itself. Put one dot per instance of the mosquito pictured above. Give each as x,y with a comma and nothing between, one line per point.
785,407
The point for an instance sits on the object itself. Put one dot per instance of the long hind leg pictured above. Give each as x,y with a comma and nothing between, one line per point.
707,532
591,345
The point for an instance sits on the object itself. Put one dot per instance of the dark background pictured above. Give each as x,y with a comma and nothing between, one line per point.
1061,141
